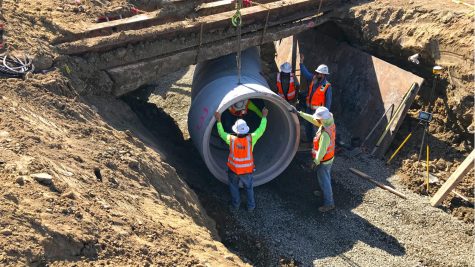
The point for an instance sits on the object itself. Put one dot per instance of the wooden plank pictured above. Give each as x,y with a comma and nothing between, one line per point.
453,180
253,18
214,7
370,179
170,11
206,9
148,70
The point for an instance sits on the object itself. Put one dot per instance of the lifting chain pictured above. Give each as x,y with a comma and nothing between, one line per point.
236,20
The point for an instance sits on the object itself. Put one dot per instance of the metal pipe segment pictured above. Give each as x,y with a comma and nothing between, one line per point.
216,88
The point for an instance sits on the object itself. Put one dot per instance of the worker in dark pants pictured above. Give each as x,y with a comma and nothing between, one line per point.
286,83
323,152
319,93
241,159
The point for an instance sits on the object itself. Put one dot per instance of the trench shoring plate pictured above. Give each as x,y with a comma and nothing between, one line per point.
364,86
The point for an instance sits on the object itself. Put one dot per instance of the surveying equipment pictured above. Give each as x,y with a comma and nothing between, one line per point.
424,120
424,117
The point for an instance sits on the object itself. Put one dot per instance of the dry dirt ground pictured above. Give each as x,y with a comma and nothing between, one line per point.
106,193
117,194
111,198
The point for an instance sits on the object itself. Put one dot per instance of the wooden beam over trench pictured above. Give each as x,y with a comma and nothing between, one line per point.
136,30
148,70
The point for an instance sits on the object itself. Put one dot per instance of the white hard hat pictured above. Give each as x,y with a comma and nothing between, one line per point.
322,113
241,105
323,69
286,67
240,127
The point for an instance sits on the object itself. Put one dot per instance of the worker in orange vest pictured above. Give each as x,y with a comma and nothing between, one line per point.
239,110
241,159
319,93
287,84
323,152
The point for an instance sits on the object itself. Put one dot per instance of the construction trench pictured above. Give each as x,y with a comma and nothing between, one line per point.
174,70
364,86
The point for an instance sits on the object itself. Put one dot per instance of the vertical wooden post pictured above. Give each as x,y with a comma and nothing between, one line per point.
294,53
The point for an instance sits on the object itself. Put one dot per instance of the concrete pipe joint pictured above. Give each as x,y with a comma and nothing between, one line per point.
216,88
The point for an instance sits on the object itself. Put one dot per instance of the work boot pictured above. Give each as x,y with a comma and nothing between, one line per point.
251,210
317,193
326,208
233,209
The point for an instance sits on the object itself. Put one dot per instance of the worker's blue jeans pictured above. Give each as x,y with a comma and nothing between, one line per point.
324,180
247,181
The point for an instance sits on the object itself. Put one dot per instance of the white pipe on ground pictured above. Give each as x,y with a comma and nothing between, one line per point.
215,88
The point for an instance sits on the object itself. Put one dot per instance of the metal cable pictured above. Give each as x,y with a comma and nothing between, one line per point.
14,67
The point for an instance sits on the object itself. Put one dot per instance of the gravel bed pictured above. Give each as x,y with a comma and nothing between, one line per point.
370,227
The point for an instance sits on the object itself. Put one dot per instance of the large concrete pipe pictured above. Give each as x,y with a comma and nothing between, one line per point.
216,88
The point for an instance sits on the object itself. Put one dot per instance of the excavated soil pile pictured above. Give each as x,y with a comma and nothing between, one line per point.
78,185
81,178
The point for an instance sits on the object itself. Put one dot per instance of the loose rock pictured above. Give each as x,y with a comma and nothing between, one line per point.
70,195
42,62
43,178
20,180
441,165
6,232
4,134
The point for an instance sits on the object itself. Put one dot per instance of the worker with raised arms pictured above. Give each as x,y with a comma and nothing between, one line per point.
319,93
241,159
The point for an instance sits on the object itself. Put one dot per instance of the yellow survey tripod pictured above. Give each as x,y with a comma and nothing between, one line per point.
424,119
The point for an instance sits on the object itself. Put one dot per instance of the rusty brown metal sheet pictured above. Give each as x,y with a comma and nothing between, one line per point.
363,86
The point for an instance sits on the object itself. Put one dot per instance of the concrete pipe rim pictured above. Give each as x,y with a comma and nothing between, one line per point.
290,146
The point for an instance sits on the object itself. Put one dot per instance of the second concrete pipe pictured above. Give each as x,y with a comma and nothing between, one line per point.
216,88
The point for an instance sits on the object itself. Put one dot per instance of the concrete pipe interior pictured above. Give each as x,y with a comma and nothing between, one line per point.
215,88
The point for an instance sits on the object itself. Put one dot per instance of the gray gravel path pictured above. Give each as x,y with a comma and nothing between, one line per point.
370,227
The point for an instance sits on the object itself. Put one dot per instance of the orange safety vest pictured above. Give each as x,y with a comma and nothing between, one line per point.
290,92
317,99
241,160
239,113
331,147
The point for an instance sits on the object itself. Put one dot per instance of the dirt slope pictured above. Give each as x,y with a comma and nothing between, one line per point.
112,198
138,210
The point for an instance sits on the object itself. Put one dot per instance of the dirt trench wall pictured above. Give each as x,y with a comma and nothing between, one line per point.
395,32
443,34
364,87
